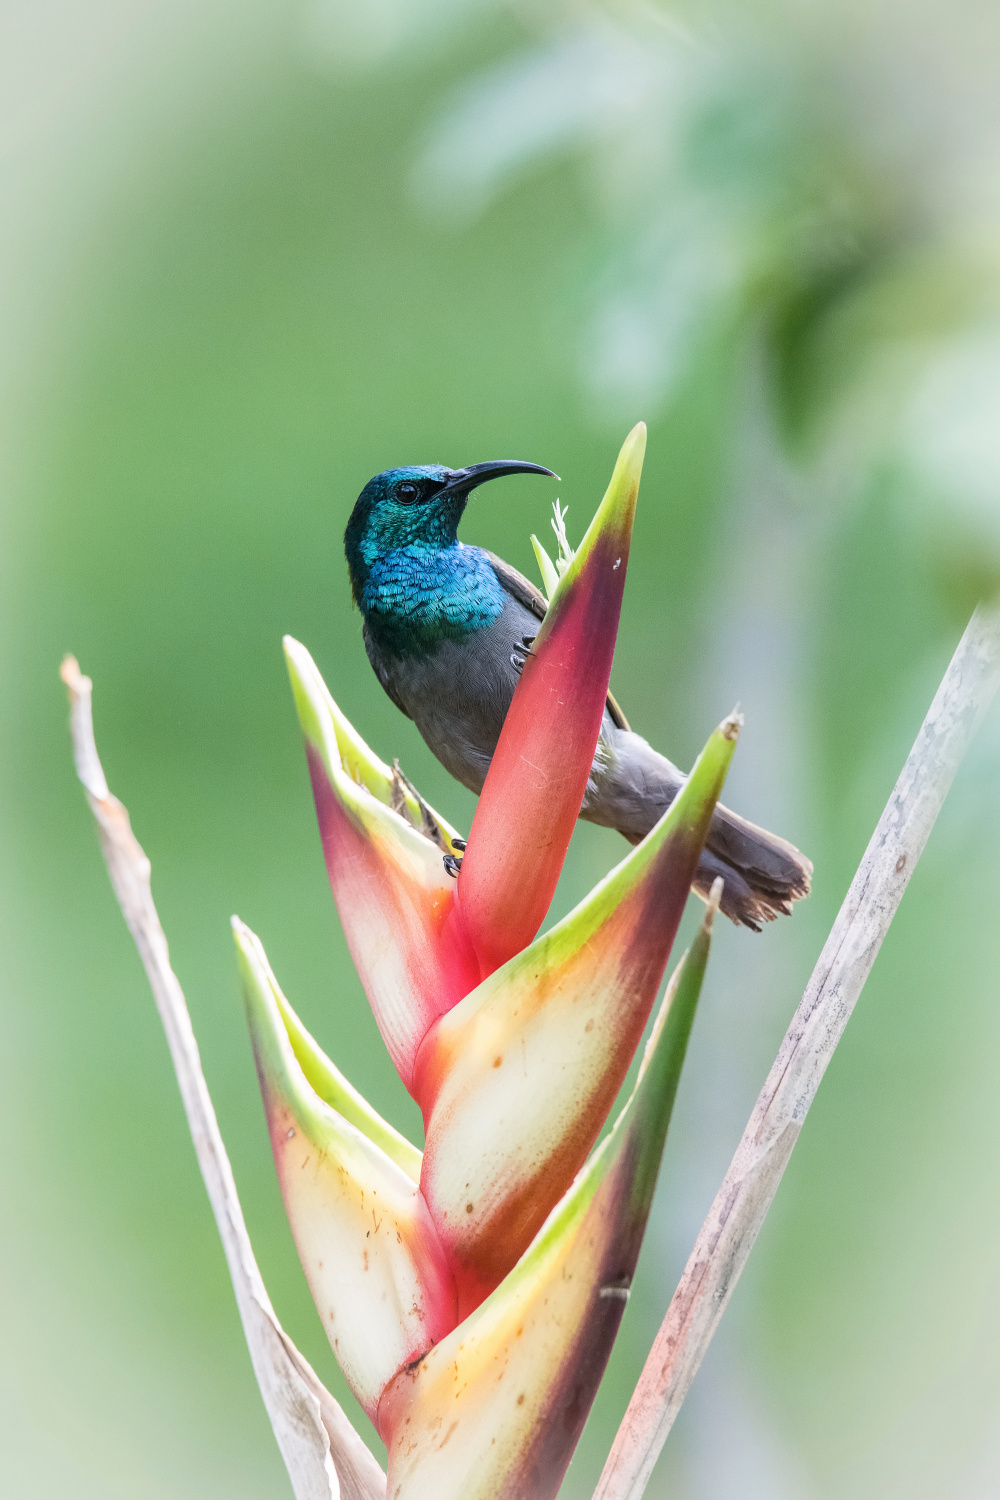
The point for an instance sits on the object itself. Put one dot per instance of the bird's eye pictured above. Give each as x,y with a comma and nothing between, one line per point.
406,492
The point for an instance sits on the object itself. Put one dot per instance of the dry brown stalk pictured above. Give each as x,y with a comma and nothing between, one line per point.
325,1457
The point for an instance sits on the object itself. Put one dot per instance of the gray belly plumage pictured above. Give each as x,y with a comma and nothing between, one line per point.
459,694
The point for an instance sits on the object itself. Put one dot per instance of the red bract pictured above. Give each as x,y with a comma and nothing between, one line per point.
536,781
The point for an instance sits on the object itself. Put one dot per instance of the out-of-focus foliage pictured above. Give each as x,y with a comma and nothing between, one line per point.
252,254
802,174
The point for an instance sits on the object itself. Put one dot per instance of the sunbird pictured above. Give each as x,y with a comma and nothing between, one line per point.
448,628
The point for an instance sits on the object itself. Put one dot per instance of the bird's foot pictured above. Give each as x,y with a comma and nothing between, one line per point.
451,863
521,652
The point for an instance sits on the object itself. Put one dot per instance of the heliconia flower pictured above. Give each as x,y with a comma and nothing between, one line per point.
535,784
494,1411
384,852
517,1079
368,1246
472,1292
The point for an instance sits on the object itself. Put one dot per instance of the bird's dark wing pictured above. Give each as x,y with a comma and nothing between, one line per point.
519,587
532,598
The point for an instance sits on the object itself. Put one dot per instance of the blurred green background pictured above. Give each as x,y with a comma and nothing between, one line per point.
252,253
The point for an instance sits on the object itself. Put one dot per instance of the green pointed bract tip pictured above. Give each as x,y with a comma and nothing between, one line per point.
612,522
330,1085
539,771
368,1248
517,1080
494,1412
335,739
650,1106
547,568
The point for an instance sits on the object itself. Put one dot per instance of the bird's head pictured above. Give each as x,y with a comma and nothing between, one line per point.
417,506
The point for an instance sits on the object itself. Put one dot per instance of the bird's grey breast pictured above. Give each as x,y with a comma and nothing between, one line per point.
458,693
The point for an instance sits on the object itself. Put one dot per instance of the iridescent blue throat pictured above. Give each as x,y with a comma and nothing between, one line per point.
417,596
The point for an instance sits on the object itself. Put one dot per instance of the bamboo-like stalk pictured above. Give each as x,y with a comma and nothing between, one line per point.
325,1457
741,1204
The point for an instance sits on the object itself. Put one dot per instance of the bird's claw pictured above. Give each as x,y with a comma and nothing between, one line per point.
521,652
451,865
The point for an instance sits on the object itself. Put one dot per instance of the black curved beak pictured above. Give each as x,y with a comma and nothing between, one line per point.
464,480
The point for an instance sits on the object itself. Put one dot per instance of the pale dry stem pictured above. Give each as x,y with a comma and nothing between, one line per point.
325,1457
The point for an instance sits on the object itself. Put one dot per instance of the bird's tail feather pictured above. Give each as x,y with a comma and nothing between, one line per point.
762,874
752,896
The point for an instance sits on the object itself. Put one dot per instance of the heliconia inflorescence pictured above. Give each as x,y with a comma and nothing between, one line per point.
472,1293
